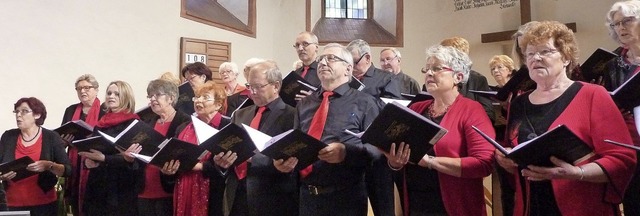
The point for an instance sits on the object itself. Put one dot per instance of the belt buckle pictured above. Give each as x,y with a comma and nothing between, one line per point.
313,190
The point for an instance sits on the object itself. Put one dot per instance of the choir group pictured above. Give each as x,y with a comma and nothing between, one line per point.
348,173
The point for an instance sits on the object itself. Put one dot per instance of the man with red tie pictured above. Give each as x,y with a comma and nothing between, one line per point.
255,187
334,185
306,46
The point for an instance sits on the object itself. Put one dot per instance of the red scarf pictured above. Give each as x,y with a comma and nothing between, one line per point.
191,193
111,119
78,181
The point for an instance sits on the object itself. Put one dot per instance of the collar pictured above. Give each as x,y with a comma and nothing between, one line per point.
339,91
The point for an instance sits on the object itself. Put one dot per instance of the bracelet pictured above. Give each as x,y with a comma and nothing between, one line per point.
393,168
429,159
581,173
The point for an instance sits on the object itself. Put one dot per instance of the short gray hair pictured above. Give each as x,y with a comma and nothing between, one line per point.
452,57
360,45
231,65
630,8
394,50
270,69
344,53
89,78
163,86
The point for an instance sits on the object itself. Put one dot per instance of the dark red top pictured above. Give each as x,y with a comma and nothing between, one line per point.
152,186
26,192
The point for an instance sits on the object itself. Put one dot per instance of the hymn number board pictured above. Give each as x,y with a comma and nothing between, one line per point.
211,53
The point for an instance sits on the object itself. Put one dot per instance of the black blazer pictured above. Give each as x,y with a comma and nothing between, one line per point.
52,150
379,83
478,82
269,192
179,119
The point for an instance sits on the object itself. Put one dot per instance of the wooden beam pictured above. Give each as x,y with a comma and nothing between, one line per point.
506,35
525,11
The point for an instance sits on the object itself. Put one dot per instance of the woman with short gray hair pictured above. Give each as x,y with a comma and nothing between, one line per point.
229,75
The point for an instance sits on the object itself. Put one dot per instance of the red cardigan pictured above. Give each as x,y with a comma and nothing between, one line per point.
593,116
464,195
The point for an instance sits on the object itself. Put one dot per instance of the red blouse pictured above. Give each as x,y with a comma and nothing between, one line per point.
152,186
26,192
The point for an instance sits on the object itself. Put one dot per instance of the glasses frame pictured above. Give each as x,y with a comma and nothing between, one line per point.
255,89
22,111
86,88
360,59
623,22
546,53
304,44
156,96
434,69
383,61
335,58
202,99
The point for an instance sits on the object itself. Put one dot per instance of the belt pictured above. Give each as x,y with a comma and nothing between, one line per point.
319,190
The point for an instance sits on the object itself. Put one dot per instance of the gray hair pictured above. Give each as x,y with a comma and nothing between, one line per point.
89,78
314,38
452,57
630,8
164,86
360,45
518,53
394,50
231,65
270,69
248,64
344,53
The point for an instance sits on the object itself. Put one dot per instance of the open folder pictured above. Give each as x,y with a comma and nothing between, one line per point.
559,142
397,123
175,149
137,132
292,143
78,128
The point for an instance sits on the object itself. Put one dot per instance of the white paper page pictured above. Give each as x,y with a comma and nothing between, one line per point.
359,135
106,136
203,130
259,139
401,102
143,158
636,118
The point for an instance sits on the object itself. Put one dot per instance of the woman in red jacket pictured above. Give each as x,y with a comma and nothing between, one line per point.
447,181
594,186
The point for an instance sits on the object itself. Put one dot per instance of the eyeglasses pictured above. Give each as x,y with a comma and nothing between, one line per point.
86,88
225,72
624,22
256,87
358,61
385,60
22,111
435,69
303,44
542,53
330,58
192,77
156,96
203,98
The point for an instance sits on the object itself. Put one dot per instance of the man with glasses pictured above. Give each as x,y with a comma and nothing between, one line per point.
306,47
255,187
236,100
377,83
334,184
390,62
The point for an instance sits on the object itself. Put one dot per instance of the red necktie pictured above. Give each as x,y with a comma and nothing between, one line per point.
304,71
241,170
317,125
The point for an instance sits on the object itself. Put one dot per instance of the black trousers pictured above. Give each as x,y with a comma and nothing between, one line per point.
155,207
351,201
631,201
379,179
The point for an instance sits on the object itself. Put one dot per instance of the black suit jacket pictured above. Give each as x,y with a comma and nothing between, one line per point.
312,74
379,83
269,192
478,82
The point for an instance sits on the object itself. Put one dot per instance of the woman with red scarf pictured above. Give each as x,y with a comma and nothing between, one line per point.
191,195
110,188
35,193
88,110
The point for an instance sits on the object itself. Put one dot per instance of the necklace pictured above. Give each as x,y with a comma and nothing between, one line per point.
34,137
230,91
169,117
433,113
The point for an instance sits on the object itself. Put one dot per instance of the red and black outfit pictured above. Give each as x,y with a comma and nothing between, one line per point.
35,193
155,197
110,187
426,191
75,185
192,188
586,110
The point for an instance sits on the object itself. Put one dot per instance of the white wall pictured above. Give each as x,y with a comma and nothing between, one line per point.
48,44
384,12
